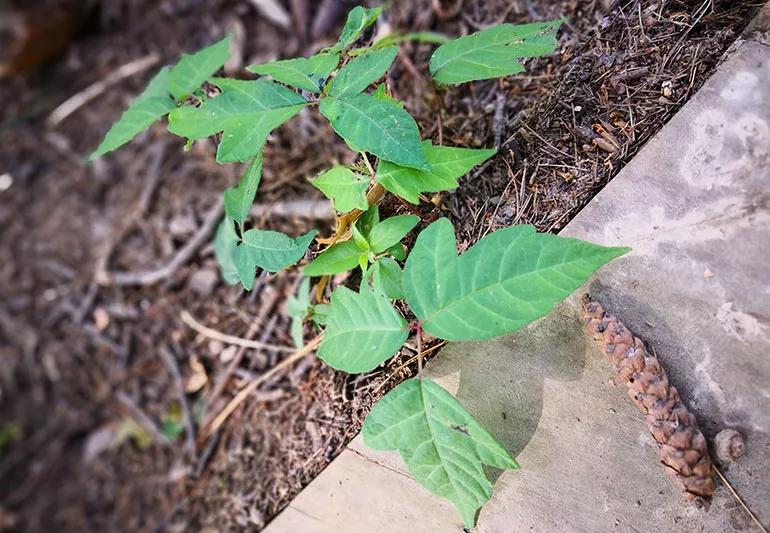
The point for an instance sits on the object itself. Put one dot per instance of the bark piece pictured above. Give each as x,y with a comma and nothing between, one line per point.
681,445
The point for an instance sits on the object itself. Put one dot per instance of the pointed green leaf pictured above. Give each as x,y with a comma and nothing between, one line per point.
505,281
377,126
386,275
298,307
345,188
246,112
444,447
308,73
363,330
193,69
358,20
225,244
238,200
447,164
492,53
337,258
397,251
390,231
152,104
363,71
369,219
269,250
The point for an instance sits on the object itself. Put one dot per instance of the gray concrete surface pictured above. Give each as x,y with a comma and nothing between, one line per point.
695,207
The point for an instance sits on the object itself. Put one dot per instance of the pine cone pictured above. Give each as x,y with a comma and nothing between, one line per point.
681,445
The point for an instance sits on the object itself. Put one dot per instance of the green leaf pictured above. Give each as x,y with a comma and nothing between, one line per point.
362,331
193,69
308,73
269,250
358,20
444,447
505,281
225,245
321,314
152,104
299,307
390,231
246,112
344,187
398,251
359,239
238,200
339,257
377,126
386,276
492,53
447,165
363,71
369,219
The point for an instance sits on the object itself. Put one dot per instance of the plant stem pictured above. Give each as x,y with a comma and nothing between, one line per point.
419,350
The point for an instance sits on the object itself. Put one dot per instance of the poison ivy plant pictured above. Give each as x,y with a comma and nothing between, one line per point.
376,126
299,309
447,164
346,188
492,53
308,73
246,112
500,284
362,330
269,250
444,447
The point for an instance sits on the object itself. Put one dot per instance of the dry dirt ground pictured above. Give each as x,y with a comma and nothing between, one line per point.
97,376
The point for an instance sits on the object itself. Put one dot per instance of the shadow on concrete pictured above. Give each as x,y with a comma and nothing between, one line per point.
501,381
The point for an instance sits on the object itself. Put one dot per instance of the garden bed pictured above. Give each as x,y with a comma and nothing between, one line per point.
84,353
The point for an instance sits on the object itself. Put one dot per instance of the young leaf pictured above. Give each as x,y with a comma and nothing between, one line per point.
193,69
358,20
397,251
447,165
505,281
386,276
246,112
344,187
377,126
321,314
363,71
308,73
269,250
492,53
390,231
298,307
238,199
369,219
444,447
339,257
152,104
225,244
363,330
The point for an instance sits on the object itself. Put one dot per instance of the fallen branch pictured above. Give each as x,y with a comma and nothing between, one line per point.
188,319
170,361
75,102
251,387
151,277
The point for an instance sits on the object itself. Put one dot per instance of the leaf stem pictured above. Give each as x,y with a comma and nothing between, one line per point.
419,350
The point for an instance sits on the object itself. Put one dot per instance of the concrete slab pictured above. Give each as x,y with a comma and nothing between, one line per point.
695,207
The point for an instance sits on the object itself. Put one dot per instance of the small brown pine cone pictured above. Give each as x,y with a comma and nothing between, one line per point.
681,445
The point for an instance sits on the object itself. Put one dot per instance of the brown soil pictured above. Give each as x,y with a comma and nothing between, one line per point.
82,362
